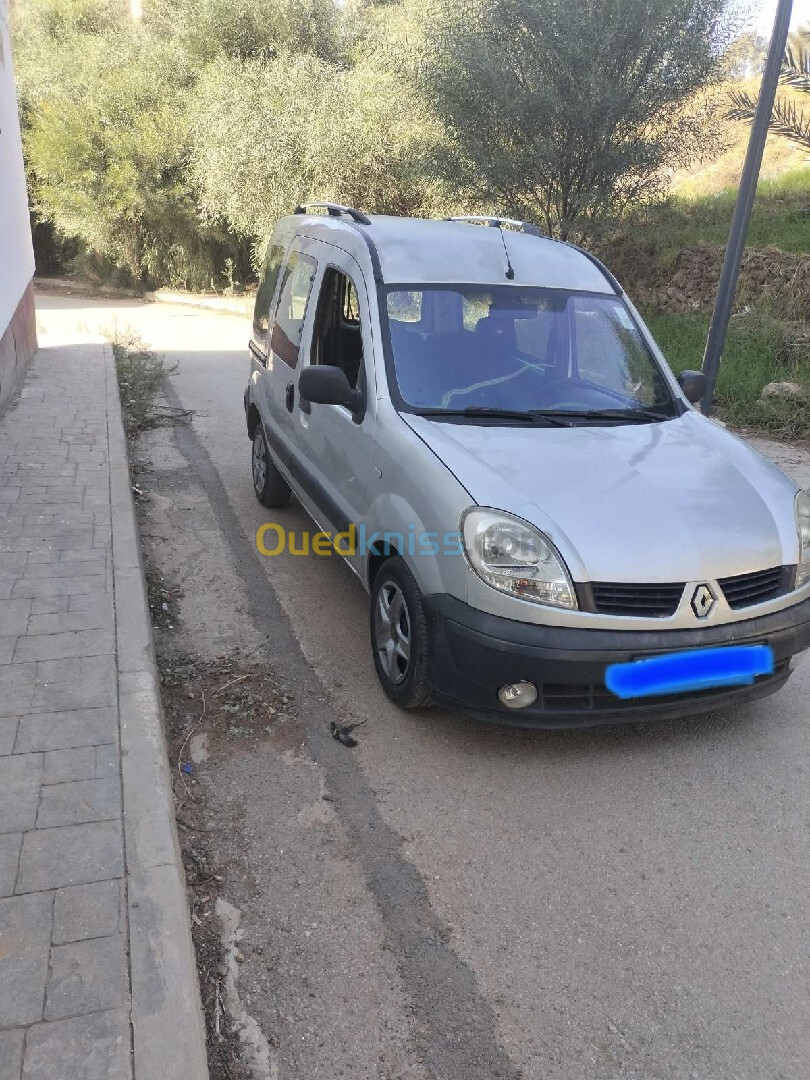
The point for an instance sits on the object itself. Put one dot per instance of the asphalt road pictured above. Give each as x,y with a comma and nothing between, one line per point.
469,902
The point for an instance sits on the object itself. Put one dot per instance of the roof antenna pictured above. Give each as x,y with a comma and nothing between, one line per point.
510,272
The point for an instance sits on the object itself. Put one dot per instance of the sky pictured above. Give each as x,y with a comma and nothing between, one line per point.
763,15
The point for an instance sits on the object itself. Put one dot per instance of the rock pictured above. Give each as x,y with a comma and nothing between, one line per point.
198,748
783,390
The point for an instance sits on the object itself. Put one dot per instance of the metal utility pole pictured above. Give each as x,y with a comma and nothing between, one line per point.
727,287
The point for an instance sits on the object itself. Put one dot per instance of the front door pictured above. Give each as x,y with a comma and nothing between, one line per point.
335,448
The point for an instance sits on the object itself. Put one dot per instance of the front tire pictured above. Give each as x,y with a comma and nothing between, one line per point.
399,635
271,488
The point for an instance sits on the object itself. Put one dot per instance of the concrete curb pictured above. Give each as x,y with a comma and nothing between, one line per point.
69,286
228,305
167,1019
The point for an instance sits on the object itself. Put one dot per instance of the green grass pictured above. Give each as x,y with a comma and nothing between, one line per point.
756,353
781,217
758,348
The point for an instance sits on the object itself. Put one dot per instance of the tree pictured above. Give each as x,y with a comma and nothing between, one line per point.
746,55
207,30
268,135
106,140
786,120
169,145
564,112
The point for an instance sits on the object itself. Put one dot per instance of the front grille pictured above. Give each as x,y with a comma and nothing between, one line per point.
743,590
594,698
647,600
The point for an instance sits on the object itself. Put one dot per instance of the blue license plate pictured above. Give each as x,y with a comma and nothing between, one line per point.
698,669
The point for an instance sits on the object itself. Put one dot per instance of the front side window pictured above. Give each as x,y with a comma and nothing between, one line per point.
337,338
288,327
522,349
405,306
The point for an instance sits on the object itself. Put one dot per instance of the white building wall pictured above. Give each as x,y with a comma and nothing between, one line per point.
16,251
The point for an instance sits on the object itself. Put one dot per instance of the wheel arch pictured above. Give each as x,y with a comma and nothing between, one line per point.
378,555
253,418
406,533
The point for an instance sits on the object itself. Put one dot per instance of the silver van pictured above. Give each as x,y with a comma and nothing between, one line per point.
479,421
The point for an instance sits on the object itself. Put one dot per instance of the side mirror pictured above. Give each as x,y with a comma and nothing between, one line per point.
328,385
693,384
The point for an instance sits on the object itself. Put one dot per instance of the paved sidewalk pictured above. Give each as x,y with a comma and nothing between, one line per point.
97,978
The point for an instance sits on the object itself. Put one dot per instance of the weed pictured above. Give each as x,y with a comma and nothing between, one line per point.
161,600
141,374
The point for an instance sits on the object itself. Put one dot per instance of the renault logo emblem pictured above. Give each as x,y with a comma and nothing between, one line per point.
703,600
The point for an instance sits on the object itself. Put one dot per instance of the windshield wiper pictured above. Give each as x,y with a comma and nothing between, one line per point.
552,417
640,416
528,416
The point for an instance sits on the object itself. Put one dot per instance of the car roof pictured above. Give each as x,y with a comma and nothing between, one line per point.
422,250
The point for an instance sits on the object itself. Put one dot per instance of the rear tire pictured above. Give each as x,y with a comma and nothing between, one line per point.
399,635
271,488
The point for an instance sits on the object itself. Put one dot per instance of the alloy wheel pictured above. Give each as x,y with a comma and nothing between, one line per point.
392,632
259,461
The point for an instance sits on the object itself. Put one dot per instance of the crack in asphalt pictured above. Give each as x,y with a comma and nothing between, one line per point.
453,1026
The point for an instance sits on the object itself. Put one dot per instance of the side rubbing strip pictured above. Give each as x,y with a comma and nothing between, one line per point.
260,356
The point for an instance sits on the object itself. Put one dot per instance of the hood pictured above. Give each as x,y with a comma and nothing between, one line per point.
681,500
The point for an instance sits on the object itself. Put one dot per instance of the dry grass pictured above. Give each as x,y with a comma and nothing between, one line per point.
723,172
141,374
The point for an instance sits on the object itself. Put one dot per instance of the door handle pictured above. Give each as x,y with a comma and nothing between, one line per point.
289,396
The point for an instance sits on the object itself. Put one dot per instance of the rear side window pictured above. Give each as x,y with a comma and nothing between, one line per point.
405,306
537,336
531,329
350,305
267,287
296,286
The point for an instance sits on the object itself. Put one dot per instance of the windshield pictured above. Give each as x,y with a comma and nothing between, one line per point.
479,348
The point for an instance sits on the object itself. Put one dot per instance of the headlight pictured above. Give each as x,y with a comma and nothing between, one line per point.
514,557
803,526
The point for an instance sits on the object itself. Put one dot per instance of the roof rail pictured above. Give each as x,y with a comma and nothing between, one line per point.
497,222
334,210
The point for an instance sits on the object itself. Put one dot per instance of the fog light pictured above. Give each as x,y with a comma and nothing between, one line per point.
517,695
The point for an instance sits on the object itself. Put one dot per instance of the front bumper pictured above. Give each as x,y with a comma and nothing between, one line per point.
472,654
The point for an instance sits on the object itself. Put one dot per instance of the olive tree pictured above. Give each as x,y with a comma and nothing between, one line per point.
563,111
106,142
268,135
208,30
